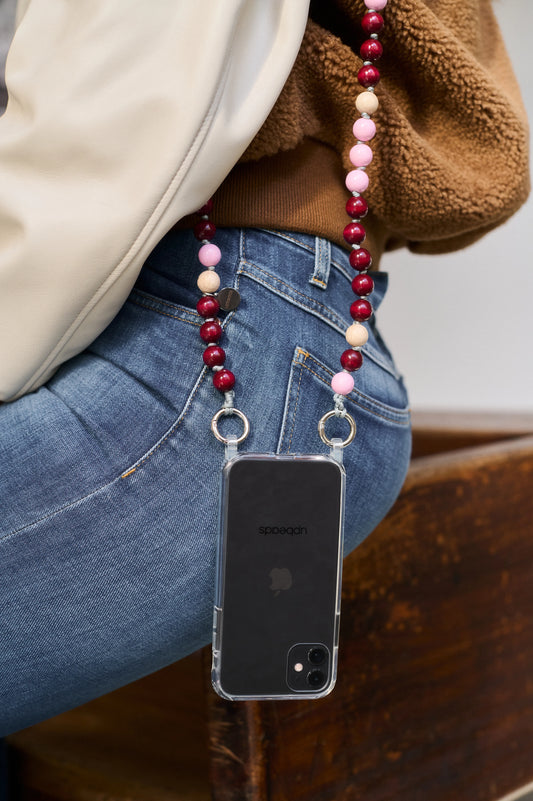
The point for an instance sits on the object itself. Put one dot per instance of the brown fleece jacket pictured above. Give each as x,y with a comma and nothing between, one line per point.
451,151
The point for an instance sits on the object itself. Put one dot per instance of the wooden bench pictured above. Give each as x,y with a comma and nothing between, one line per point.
434,700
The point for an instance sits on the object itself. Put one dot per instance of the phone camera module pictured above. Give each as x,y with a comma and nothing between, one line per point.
316,656
309,668
316,678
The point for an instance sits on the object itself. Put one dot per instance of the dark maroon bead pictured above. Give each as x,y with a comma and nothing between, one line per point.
354,233
356,207
361,310
207,209
204,229
208,306
351,360
211,331
360,259
368,75
371,50
214,356
224,380
362,284
372,23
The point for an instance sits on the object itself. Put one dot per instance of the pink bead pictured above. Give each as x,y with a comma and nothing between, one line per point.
360,156
342,383
364,129
209,255
357,181
376,5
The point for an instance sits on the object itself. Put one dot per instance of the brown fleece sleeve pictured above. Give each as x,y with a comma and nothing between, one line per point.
451,152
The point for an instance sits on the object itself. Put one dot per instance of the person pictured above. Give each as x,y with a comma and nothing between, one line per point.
110,470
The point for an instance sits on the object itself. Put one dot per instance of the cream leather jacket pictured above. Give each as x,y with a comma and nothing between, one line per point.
122,117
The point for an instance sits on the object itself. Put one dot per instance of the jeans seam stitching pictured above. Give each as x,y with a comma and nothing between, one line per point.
297,399
171,430
57,511
358,402
287,402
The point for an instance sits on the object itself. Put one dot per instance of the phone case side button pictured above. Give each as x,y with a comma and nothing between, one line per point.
217,611
337,628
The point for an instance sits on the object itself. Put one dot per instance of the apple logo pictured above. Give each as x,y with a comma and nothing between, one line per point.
281,579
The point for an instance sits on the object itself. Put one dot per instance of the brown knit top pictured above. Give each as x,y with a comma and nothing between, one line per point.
451,151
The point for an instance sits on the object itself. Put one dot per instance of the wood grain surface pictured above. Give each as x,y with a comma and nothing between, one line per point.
439,431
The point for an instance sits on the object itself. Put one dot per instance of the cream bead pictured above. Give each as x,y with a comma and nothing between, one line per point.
208,281
367,103
356,335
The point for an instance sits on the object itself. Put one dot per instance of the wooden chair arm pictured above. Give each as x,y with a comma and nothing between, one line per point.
435,432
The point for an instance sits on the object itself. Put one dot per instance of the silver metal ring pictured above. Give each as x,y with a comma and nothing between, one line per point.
322,429
223,412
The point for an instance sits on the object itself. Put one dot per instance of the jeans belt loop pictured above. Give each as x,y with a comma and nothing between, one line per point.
320,274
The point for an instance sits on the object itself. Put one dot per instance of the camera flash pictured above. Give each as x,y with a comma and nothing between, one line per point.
298,667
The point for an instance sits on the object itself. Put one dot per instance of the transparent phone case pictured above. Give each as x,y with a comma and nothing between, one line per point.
279,567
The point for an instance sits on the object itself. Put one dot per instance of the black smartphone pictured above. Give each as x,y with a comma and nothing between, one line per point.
277,604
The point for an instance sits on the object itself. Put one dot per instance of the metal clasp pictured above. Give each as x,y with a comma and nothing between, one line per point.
223,412
227,410
338,411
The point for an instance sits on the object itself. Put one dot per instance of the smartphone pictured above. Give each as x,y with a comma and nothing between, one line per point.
277,599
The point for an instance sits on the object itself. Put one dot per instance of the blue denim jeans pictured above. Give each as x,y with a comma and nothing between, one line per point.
110,471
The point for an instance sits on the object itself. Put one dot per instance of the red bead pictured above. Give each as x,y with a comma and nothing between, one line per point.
371,50
361,310
208,306
207,209
354,233
362,284
351,360
214,356
360,259
211,331
224,380
372,23
204,229
356,207
368,75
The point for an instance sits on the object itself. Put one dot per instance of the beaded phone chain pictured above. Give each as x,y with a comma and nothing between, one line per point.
354,233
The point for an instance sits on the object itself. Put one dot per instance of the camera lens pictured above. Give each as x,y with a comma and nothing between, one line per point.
316,656
316,678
